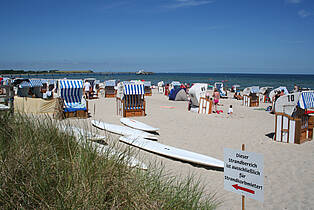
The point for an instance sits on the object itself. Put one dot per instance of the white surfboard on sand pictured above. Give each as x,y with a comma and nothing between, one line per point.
172,152
122,130
138,125
82,136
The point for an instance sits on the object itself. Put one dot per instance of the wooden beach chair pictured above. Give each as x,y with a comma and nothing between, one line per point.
130,100
110,91
71,92
292,122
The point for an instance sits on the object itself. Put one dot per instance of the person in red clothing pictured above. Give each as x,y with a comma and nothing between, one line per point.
216,96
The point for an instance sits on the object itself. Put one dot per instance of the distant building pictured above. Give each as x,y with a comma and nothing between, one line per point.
142,72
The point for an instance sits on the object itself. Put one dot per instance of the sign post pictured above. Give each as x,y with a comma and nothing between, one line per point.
243,197
243,173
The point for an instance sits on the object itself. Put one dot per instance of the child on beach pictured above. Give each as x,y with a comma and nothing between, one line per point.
216,96
230,110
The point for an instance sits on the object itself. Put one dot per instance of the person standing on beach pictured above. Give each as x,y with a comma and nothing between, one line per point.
216,96
296,88
87,87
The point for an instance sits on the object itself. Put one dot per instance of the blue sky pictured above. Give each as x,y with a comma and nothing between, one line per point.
247,36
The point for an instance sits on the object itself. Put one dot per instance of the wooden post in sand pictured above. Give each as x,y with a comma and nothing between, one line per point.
243,197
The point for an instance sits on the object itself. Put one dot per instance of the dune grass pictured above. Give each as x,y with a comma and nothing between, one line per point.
43,168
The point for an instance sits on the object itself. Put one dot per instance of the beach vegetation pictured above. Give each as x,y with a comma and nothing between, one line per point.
42,167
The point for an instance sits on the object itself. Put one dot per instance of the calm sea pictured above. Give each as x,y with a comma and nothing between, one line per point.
244,80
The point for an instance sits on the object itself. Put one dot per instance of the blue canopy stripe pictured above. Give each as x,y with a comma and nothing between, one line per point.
306,100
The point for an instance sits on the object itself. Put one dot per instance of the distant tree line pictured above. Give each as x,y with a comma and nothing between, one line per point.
42,72
25,72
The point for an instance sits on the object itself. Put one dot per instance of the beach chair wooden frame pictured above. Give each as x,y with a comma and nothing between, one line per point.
131,106
206,106
294,130
250,101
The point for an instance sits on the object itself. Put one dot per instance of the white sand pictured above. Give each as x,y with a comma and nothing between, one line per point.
288,169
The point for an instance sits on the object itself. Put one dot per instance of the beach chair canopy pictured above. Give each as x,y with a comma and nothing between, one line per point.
219,85
161,84
18,81
254,89
249,90
72,93
133,89
147,83
24,84
196,91
264,90
48,81
306,100
287,104
111,83
35,82
279,89
31,83
174,85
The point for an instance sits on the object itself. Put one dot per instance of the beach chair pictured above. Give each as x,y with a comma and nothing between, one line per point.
220,87
161,87
71,92
250,97
6,95
110,91
293,123
147,88
205,106
130,99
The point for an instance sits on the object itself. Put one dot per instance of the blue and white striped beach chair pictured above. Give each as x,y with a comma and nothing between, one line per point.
132,103
71,91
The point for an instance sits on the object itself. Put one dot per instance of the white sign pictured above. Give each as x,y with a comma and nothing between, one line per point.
243,173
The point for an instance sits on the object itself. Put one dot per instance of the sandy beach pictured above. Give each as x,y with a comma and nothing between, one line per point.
288,168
